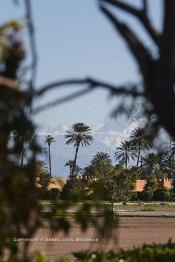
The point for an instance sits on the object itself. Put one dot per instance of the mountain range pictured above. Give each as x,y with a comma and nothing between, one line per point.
107,136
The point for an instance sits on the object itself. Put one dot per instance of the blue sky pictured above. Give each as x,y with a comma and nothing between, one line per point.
75,40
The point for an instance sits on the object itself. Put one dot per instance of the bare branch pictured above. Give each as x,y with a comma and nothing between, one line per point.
62,100
31,31
145,6
92,83
124,6
61,83
167,49
139,14
139,51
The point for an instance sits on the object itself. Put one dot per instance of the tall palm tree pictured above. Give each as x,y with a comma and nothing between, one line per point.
78,135
124,153
140,141
24,144
49,140
156,162
163,161
150,162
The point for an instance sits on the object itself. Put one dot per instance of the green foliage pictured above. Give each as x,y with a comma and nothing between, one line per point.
23,179
100,166
119,185
18,191
79,134
147,253
49,140
156,164
20,211
140,140
150,188
162,194
102,181
124,153
44,180
75,190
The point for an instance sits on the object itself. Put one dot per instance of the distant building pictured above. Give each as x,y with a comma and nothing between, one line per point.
140,184
59,182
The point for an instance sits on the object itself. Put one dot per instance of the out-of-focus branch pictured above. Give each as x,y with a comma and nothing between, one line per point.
62,100
140,14
32,40
139,51
123,6
92,83
145,6
167,48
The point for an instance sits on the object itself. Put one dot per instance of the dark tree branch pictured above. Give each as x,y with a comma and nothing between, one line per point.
59,84
140,14
139,51
123,6
62,100
167,49
145,7
32,40
92,83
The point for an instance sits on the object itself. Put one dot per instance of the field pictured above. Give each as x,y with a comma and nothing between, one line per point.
137,225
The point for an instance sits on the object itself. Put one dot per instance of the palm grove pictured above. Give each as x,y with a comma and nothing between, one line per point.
135,158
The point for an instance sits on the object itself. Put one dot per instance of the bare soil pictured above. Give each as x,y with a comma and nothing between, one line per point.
132,231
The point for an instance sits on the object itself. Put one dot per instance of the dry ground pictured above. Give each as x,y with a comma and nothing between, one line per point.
132,231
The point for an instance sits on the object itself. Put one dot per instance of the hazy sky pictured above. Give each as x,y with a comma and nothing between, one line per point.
75,40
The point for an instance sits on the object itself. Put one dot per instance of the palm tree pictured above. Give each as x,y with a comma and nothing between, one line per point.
78,135
101,158
150,162
124,153
49,140
77,170
163,161
70,164
172,157
140,141
155,162
99,166
24,144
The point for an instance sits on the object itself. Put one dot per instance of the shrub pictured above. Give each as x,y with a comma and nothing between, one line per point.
146,195
162,194
147,253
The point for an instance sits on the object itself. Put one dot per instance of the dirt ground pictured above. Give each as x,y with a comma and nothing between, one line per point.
132,231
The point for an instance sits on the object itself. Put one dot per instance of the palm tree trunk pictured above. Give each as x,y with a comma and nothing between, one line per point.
70,170
138,157
75,159
126,164
22,154
22,159
50,167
